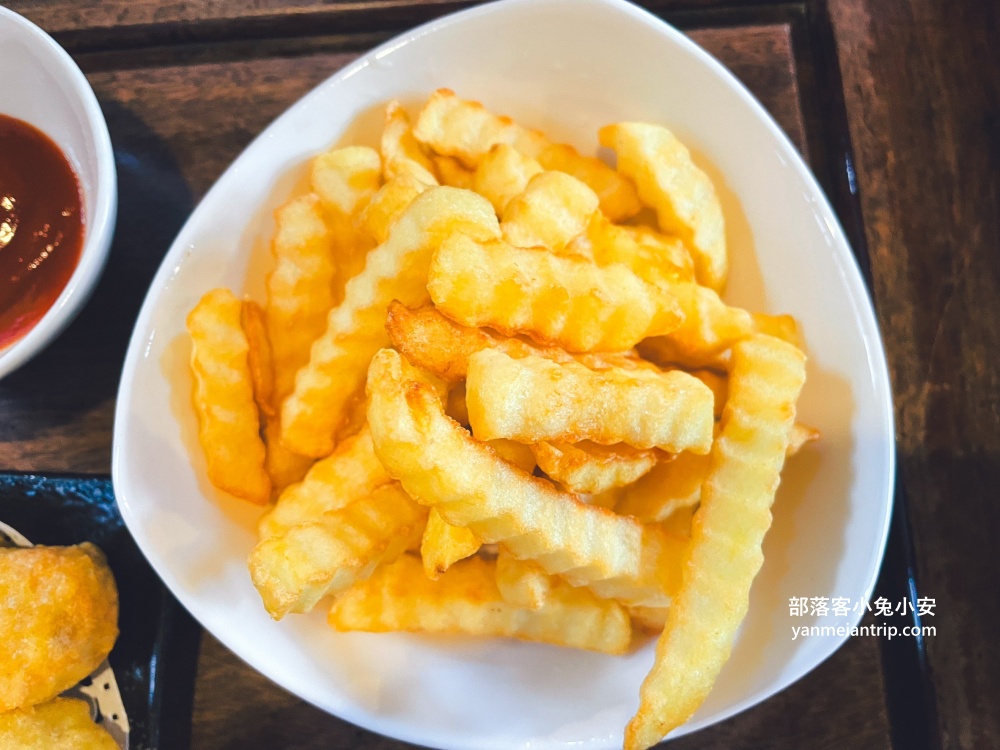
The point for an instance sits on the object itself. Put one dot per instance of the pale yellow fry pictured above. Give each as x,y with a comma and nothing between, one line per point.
514,453
401,154
467,130
653,257
503,174
466,600
300,289
532,399
619,200
387,205
725,549
555,300
346,178
432,342
523,583
591,468
228,420
259,358
443,545
298,567
396,269
784,327
710,327
441,464
282,465
682,195
59,724
553,209
452,173
350,473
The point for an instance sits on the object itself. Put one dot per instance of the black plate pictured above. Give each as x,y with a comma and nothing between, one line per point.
155,656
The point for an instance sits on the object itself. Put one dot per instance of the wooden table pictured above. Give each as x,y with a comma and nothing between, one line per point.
914,86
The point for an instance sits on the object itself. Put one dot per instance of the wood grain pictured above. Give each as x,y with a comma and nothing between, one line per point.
175,128
924,108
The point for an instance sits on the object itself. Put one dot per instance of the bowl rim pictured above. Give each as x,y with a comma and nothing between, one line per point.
98,228
876,357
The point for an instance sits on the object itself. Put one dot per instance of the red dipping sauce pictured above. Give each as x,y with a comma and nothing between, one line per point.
41,226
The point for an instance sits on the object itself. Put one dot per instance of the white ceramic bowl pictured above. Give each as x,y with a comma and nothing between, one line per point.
567,66
44,87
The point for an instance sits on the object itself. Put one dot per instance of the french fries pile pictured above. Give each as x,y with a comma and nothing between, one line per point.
494,390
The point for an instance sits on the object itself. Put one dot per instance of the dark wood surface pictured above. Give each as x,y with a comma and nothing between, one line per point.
186,85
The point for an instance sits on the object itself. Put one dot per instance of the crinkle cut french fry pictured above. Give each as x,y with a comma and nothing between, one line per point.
350,473
298,567
402,155
282,465
671,485
345,179
387,205
591,468
682,195
523,583
653,257
452,173
465,599
724,554
467,130
259,358
503,174
553,209
396,269
719,385
555,300
783,327
443,545
618,197
299,289
432,342
532,399
441,464
228,419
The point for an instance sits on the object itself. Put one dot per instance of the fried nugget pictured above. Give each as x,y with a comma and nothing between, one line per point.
58,620
61,724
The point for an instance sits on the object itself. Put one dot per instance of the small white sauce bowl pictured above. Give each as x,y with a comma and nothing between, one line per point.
45,88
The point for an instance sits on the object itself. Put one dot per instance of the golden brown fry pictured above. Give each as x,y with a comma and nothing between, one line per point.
350,473
522,583
296,568
60,724
503,174
228,421
683,196
532,399
591,468
259,358
387,205
346,178
58,620
466,600
282,465
553,209
561,301
396,269
443,545
725,550
401,154
467,130
432,342
441,464
299,289
618,197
